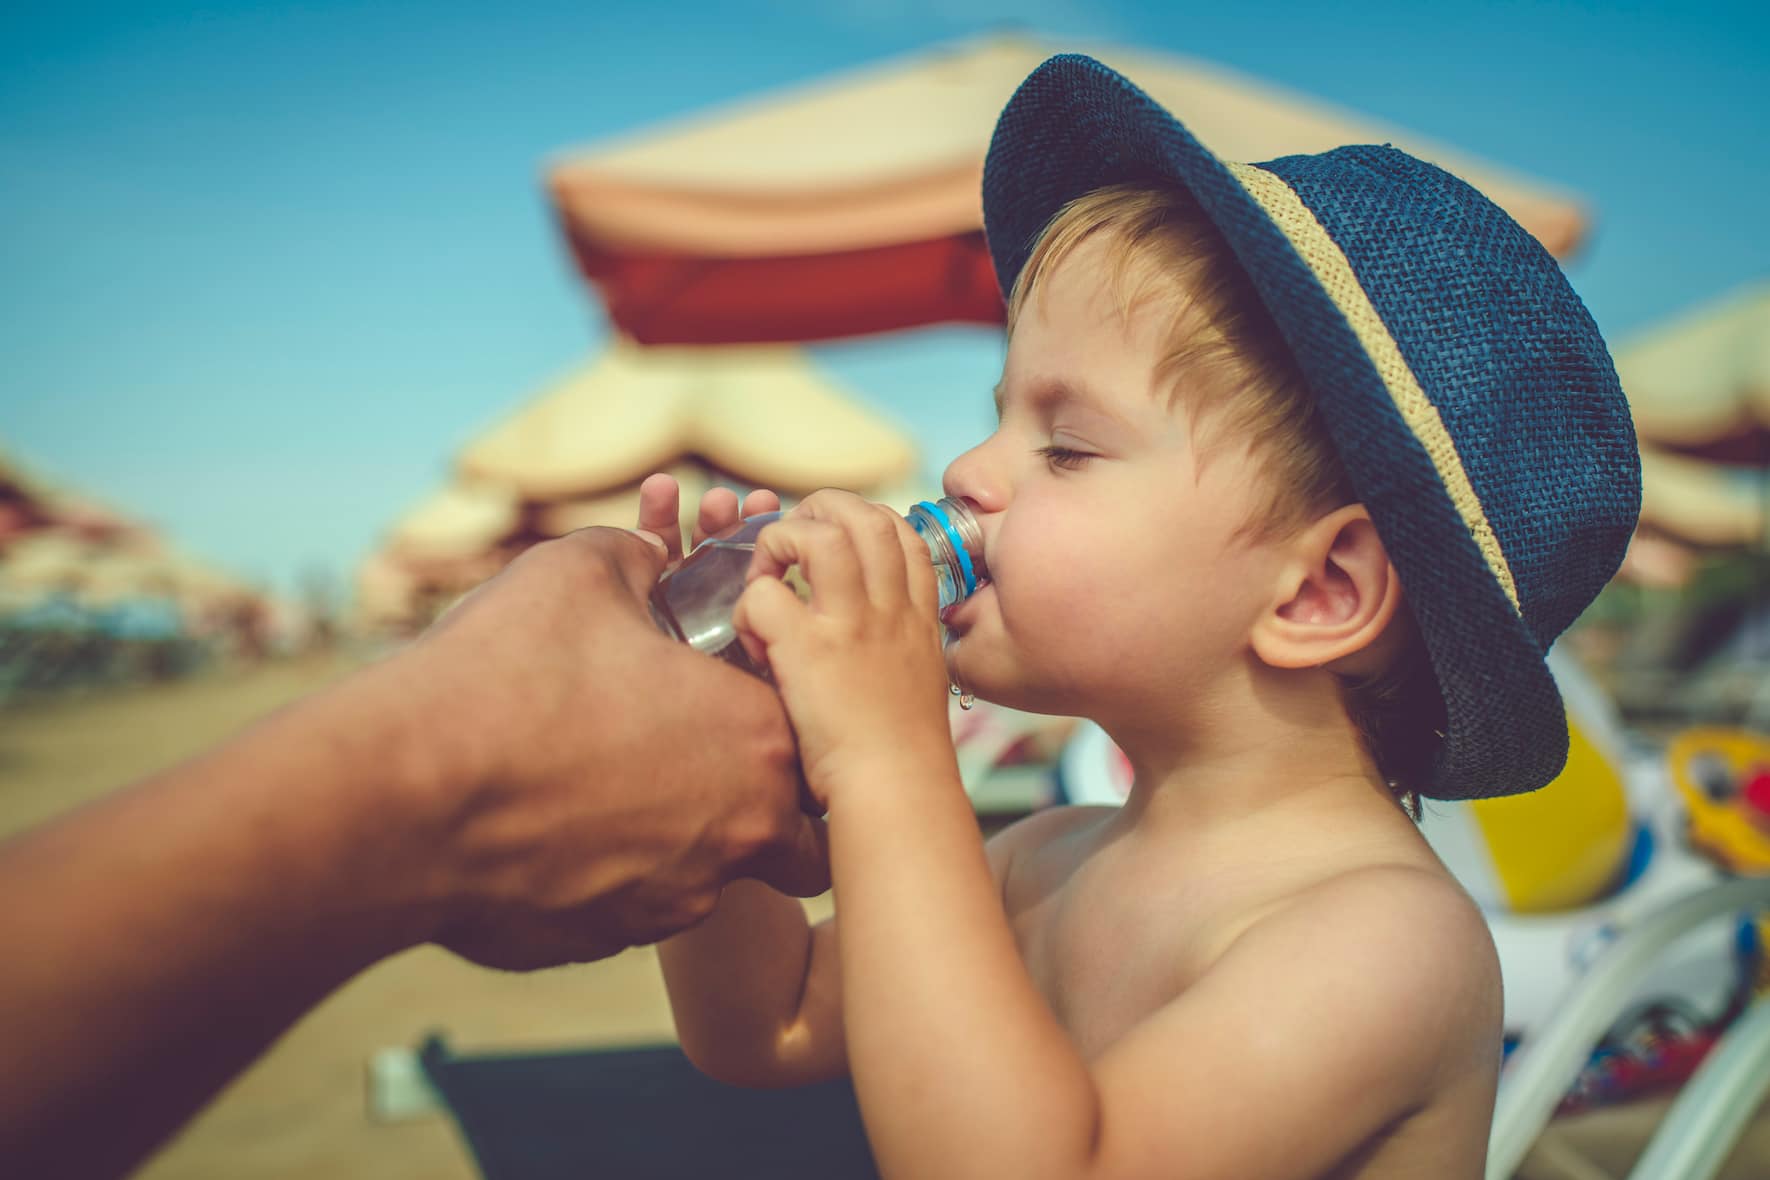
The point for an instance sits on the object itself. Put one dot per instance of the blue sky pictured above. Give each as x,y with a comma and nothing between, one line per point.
263,268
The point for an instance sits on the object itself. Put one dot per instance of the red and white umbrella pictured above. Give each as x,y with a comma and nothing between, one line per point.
851,205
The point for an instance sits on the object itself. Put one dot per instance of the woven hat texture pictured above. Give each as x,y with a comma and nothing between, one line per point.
1465,386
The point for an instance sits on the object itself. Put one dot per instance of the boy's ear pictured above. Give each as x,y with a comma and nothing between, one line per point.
1336,595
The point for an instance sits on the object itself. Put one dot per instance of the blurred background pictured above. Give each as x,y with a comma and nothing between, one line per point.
313,316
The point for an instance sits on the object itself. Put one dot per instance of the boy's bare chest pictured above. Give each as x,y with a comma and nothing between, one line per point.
1108,944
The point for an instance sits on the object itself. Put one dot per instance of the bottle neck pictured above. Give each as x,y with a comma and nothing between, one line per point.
955,544
964,522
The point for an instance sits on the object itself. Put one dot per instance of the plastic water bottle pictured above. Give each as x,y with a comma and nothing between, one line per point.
694,601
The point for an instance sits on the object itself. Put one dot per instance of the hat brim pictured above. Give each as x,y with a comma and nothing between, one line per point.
1075,126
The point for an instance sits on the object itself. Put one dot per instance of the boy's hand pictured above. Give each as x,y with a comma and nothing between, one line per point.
660,512
859,665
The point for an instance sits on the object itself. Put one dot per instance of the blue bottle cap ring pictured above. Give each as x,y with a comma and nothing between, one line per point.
957,542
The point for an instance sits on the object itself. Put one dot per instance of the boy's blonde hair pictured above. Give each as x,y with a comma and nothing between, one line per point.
1226,361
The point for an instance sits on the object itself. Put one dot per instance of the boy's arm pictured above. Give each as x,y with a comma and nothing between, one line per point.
1323,1023
752,988
756,991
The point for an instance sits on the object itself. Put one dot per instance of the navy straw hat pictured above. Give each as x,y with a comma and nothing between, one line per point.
1468,392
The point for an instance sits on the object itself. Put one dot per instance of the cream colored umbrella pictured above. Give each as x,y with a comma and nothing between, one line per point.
1704,503
457,521
96,574
46,561
765,414
199,586
92,518
386,592
1705,375
115,576
893,152
1700,384
56,506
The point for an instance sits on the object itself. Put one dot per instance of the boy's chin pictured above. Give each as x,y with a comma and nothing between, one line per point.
1020,697
970,667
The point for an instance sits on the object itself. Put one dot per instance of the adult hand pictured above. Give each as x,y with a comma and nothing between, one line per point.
542,778
606,780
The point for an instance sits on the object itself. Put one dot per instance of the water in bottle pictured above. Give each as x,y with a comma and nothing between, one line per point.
694,601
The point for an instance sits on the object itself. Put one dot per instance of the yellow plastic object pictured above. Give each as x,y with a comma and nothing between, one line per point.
1563,846
1720,827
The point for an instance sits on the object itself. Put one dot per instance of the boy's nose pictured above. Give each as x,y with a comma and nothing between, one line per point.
974,477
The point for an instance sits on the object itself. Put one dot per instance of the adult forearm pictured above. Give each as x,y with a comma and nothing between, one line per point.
157,941
737,983
960,1066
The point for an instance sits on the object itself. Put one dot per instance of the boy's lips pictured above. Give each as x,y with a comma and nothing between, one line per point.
957,616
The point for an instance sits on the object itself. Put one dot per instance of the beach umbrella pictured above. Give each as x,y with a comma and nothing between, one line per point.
16,479
116,576
1706,504
851,204
764,414
29,502
384,591
100,574
88,518
457,521
1699,390
17,519
46,562
1700,383
23,500
198,586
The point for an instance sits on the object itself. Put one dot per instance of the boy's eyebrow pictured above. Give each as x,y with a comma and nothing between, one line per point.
1056,391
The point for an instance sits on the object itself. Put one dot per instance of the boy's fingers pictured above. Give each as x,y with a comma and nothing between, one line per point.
660,512
871,529
765,612
719,511
823,552
918,565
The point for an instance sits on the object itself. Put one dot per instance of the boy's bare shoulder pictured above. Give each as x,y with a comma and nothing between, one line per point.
1039,829
1413,918
1403,935
1379,977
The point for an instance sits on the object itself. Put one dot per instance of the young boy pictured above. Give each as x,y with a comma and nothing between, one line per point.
1299,470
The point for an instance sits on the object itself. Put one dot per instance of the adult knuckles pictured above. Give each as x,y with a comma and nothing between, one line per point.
642,921
691,907
579,557
602,558
761,837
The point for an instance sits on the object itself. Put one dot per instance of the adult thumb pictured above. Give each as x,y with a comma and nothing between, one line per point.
637,557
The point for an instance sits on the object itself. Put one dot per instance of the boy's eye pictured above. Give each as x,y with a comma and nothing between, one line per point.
1063,457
